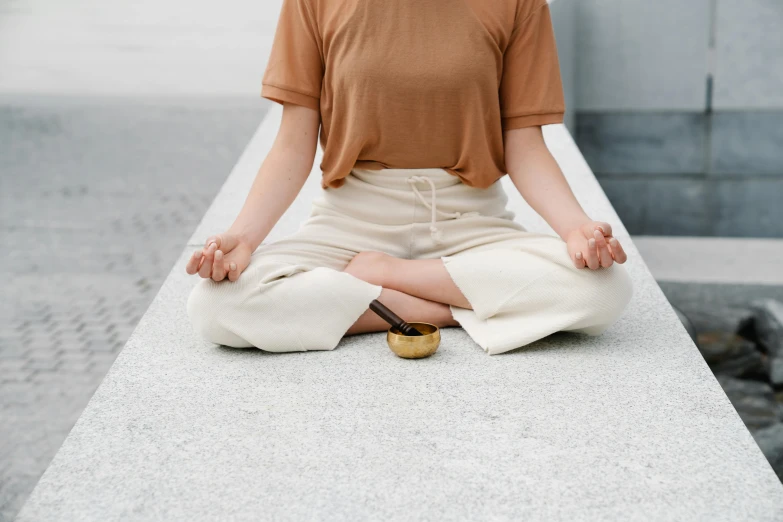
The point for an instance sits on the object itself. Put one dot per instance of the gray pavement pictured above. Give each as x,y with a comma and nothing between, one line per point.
97,199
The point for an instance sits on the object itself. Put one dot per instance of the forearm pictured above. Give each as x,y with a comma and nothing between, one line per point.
279,180
281,176
539,180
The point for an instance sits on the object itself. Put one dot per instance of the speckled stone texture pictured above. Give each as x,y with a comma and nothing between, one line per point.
630,425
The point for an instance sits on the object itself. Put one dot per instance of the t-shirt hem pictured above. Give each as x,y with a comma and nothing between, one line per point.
530,120
281,95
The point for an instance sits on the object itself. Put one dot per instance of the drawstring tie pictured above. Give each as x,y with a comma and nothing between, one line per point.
437,235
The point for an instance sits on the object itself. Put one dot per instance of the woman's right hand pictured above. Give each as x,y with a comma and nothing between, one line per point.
223,256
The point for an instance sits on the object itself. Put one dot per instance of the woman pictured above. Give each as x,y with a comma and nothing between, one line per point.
423,105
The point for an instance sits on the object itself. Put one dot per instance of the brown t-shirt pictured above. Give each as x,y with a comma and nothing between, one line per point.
417,83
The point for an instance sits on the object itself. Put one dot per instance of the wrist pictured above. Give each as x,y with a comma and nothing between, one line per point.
250,238
573,226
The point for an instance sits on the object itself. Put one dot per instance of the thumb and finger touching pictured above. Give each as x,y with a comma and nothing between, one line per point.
224,242
615,248
217,259
230,265
605,228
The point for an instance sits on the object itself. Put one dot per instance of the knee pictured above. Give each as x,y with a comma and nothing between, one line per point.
206,308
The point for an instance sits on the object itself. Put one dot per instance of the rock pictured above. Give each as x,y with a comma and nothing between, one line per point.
776,372
754,401
770,441
708,317
731,355
767,326
747,329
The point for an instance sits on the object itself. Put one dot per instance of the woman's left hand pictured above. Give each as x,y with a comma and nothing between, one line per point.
592,245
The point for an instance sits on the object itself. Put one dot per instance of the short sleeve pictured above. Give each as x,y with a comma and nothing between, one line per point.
531,90
295,69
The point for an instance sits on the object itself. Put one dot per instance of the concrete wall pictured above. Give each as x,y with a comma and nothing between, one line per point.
747,130
564,18
679,107
642,55
638,55
749,55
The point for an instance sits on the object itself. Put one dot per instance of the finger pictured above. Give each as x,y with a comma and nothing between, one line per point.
606,228
579,260
206,266
210,243
603,250
237,264
224,242
228,242
213,239
592,255
617,251
193,263
233,271
218,267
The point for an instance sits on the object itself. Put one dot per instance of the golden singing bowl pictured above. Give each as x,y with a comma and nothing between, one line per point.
414,347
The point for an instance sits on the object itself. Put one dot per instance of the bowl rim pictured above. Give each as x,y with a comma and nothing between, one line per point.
401,335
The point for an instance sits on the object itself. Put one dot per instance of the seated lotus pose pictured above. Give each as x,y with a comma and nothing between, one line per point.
422,106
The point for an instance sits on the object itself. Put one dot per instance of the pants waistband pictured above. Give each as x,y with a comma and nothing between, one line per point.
398,178
411,196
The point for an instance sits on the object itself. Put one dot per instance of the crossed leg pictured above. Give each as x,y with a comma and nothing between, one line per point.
422,288
519,293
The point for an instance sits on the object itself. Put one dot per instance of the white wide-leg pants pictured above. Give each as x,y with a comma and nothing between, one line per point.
522,286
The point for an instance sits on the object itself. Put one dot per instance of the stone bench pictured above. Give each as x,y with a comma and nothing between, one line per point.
630,425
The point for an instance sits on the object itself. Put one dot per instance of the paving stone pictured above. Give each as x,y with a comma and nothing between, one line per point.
42,364
75,366
12,365
83,186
